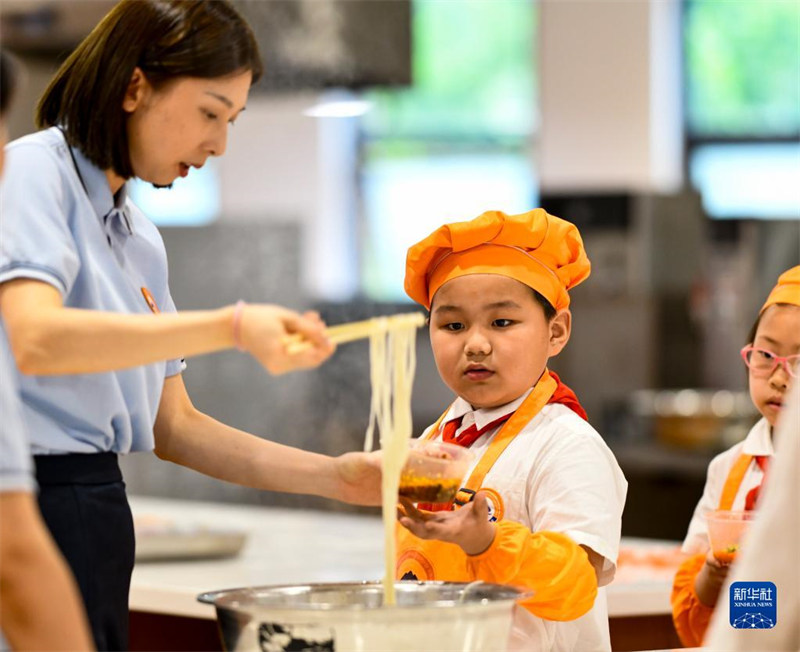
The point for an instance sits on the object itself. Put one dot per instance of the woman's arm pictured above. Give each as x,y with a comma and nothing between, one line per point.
186,436
49,339
40,608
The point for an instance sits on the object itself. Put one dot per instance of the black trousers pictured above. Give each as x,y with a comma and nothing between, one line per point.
82,499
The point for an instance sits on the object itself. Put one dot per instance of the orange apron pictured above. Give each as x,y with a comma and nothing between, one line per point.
690,616
438,560
734,481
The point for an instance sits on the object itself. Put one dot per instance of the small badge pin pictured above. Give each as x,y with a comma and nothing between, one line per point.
151,302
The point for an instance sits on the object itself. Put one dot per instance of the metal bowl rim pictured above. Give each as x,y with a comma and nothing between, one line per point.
221,597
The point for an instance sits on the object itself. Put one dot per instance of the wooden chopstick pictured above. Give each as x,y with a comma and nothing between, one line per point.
356,330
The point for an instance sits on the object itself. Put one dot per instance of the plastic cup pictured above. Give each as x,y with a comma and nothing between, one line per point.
726,529
434,471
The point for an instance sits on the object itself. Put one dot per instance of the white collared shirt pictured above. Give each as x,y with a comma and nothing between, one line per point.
757,442
482,417
556,475
771,549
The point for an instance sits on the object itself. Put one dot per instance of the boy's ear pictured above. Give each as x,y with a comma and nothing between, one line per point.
560,329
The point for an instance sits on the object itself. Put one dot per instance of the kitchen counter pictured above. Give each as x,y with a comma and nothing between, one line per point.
296,547
293,547
283,546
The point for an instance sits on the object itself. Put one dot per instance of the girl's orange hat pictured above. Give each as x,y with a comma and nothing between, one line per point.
535,248
787,290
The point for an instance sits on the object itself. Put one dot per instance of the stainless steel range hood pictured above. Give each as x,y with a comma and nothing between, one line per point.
306,44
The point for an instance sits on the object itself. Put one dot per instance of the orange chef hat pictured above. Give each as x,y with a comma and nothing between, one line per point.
787,290
535,248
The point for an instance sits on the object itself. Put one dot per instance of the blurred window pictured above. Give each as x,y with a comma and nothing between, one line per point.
190,201
743,106
458,141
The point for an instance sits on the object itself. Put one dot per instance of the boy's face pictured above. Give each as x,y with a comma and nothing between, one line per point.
490,338
778,332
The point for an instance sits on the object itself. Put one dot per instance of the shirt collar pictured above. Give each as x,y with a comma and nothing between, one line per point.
112,212
758,440
482,416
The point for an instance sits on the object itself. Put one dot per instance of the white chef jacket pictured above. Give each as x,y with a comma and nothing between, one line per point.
757,442
556,475
771,550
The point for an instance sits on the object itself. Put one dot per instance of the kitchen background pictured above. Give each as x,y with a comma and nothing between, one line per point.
668,131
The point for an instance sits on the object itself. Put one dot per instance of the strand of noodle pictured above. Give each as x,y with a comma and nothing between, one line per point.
392,452
392,347
396,427
376,359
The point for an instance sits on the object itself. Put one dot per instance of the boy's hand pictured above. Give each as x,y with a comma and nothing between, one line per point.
467,527
710,579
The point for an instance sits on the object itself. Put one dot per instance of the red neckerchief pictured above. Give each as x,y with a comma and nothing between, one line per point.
566,396
468,436
562,394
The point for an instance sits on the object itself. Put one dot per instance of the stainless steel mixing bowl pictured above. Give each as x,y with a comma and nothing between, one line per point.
351,617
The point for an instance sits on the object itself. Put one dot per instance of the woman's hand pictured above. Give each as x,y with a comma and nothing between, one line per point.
710,580
468,526
263,329
359,478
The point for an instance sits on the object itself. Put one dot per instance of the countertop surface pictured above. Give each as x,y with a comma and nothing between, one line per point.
287,546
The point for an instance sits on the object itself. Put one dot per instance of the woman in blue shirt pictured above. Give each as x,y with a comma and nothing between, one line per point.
39,604
84,293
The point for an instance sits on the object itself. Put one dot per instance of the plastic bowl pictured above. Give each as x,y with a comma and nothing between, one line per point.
726,529
434,471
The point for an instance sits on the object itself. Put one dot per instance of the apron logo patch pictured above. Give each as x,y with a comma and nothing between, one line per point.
496,507
412,564
495,500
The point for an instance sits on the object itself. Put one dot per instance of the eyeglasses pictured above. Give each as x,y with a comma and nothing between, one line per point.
762,363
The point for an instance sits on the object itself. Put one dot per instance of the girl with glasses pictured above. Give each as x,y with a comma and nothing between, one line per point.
734,479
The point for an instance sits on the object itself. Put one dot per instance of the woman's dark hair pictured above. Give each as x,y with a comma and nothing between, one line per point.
8,81
167,39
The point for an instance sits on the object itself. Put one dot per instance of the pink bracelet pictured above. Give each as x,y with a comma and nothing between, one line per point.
237,324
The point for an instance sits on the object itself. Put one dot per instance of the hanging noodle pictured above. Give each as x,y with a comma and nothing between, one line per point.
392,356
392,366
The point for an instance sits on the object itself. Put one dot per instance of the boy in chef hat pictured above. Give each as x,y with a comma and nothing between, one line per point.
542,505
735,476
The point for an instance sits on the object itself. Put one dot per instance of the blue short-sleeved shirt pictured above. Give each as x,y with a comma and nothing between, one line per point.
16,468
100,254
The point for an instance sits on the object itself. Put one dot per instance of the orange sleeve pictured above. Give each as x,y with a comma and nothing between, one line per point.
691,617
550,564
